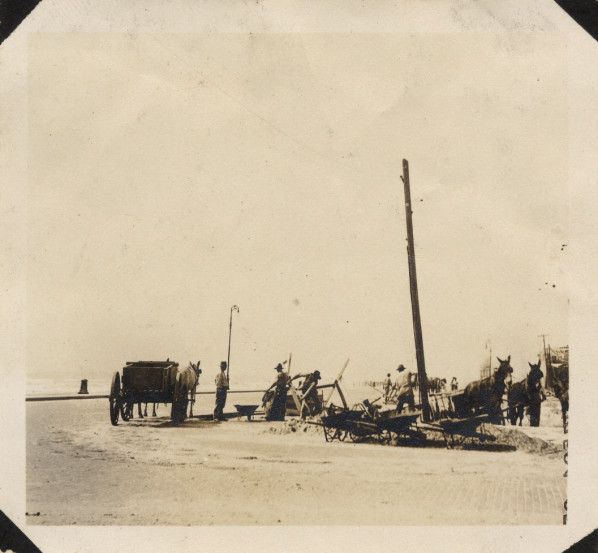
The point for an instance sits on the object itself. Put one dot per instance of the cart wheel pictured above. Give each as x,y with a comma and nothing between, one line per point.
114,399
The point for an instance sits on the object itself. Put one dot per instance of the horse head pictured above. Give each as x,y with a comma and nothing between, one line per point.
504,371
535,374
195,367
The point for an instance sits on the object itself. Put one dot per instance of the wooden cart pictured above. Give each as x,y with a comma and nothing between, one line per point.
146,382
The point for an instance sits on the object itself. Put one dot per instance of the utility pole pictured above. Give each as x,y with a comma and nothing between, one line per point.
547,362
230,332
417,325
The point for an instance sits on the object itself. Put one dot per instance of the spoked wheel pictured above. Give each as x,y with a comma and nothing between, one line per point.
330,433
334,433
115,399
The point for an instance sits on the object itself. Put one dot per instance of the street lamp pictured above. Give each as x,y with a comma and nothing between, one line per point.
230,331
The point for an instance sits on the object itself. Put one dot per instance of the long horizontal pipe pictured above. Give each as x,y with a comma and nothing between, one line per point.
106,396
62,398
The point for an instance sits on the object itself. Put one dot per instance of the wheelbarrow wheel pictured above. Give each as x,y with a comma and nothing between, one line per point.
115,398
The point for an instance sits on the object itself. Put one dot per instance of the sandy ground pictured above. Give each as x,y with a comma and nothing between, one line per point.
82,470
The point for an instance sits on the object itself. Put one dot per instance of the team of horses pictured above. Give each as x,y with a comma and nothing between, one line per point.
486,395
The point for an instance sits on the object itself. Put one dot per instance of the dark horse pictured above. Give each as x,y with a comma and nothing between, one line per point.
485,395
561,391
526,393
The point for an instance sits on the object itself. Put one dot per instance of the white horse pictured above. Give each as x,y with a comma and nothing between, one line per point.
193,383
187,380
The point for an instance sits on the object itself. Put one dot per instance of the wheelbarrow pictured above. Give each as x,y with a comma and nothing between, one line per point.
246,410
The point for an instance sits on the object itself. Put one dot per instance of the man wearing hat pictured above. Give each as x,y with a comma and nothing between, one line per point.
310,392
279,401
404,389
221,392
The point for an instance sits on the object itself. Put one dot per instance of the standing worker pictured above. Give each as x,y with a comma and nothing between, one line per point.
221,391
310,393
454,384
404,389
387,387
279,401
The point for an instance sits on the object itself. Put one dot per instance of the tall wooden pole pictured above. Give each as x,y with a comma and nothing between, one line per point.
417,325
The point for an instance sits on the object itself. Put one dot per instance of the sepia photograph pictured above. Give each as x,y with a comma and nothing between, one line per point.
224,309
299,280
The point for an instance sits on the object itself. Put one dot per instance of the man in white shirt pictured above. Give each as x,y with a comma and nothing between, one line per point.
221,392
387,388
404,389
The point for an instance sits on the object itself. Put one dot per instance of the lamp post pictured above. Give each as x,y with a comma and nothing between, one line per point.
230,331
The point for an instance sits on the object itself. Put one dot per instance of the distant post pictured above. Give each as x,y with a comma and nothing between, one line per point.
417,325
547,364
230,332
83,388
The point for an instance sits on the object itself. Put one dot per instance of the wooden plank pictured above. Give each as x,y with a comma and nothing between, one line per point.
337,380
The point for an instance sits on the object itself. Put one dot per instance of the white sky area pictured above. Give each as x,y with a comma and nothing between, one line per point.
171,177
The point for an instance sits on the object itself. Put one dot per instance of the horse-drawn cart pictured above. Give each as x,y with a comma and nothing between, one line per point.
147,382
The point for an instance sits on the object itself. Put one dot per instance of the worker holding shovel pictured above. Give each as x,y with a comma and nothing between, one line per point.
275,398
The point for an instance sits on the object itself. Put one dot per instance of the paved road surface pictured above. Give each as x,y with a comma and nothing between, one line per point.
81,470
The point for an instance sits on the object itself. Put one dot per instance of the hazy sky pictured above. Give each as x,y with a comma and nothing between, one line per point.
172,177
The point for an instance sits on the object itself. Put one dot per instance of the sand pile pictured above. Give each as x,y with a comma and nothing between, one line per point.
524,440
291,426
